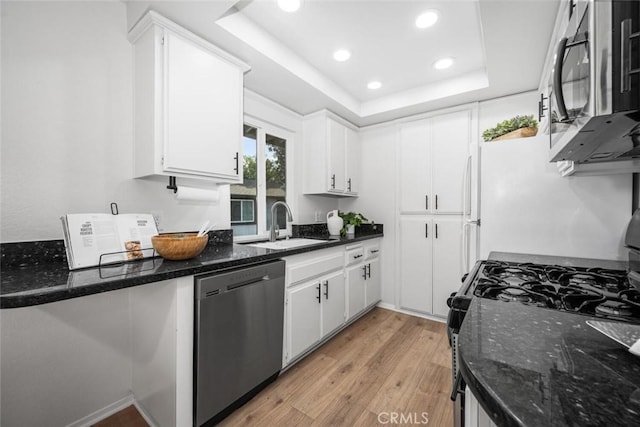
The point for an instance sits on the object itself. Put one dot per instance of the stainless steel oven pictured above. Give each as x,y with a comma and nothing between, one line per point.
595,84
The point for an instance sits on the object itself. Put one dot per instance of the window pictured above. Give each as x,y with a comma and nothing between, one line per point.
242,210
265,182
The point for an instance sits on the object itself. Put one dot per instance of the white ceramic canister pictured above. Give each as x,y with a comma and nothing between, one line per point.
334,223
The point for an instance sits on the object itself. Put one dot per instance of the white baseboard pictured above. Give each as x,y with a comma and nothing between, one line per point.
144,414
411,313
103,413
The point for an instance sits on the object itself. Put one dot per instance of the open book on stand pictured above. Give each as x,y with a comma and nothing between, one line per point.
98,239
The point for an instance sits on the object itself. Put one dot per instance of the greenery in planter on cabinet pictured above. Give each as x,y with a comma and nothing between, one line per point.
509,125
351,218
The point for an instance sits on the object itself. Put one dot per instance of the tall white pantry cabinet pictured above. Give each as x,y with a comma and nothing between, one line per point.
433,167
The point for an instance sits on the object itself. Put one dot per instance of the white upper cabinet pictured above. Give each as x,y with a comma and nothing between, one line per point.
432,163
331,155
353,159
187,104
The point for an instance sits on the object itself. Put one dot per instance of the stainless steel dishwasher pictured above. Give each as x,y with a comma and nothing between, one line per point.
238,337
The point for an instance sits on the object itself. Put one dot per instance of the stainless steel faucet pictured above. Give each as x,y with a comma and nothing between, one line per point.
274,231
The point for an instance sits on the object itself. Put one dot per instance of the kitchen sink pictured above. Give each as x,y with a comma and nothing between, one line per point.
286,244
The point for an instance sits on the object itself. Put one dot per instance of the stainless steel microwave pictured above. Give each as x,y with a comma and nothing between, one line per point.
594,98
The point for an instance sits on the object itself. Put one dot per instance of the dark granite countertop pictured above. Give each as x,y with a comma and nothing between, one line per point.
532,366
31,280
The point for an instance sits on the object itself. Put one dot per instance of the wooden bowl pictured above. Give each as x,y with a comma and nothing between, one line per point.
179,246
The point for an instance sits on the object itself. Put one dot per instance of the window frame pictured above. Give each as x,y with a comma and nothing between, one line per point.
262,129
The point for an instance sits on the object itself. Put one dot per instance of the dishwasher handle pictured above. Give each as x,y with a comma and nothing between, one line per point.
248,282
211,285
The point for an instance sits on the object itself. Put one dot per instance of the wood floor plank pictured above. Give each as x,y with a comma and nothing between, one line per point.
128,417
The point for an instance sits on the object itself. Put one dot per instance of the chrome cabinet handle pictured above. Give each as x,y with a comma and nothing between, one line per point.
326,289
426,202
364,272
319,298
426,231
237,168
333,181
436,202
436,231
349,184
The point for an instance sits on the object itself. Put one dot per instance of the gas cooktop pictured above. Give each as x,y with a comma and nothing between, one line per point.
595,292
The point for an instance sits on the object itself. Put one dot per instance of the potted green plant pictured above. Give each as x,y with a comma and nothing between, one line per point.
515,127
351,220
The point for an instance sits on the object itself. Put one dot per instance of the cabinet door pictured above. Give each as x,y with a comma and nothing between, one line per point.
373,283
352,174
333,302
416,234
336,139
303,317
203,111
450,135
447,261
355,290
415,167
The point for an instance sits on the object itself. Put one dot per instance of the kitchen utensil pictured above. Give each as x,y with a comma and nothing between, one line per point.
179,246
202,228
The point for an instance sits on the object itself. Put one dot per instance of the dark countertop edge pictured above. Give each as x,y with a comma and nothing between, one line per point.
49,295
490,402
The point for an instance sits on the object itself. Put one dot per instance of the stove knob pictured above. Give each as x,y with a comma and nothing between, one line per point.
450,299
460,302
464,277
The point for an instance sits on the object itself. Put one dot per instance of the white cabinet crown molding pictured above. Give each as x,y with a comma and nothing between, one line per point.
154,18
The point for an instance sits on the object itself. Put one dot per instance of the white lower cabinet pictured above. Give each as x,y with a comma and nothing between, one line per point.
303,312
356,289
314,299
323,295
430,262
363,277
373,284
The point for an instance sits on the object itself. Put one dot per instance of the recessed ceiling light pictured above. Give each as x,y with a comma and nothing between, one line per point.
341,55
443,63
289,5
374,85
427,19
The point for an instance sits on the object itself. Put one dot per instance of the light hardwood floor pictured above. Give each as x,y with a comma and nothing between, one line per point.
384,365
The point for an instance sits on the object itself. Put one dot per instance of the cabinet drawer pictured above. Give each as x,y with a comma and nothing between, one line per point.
372,251
299,271
354,256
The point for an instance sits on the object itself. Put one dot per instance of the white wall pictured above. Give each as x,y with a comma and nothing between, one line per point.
527,207
377,199
63,361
